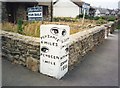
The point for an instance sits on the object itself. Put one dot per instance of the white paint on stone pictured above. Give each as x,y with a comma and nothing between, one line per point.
54,53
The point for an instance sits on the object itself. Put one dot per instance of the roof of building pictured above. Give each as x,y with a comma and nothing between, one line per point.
111,11
44,3
92,8
117,11
102,10
78,2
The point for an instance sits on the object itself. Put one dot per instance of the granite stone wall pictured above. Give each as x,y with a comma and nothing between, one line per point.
25,50
4,12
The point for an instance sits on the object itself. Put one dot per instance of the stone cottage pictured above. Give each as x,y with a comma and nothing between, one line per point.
12,11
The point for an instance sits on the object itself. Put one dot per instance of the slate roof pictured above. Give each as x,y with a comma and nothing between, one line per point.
102,10
92,8
110,10
117,11
77,2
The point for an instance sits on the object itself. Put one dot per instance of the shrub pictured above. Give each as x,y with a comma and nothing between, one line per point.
118,27
81,16
19,25
91,18
65,19
87,17
104,17
96,18
56,19
111,18
100,21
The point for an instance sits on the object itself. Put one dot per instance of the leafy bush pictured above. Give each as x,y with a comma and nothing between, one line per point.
56,19
101,17
118,25
65,19
81,16
104,17
91,18
96,18
19,25
101,21
111,18
87,17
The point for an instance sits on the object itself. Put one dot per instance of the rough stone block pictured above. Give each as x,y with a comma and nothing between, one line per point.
32,64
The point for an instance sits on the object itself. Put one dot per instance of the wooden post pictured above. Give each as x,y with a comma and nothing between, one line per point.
51,11
83,16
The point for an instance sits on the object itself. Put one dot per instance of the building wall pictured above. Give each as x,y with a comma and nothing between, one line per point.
4,12
21,12
97,13
14,11
65,9
119,4
48,5
0,11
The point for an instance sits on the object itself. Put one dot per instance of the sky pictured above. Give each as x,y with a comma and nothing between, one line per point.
111,4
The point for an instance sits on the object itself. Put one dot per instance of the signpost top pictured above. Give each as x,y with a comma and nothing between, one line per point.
35,9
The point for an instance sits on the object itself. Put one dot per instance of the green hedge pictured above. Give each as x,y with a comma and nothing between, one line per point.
65,19
111,18
86,17
101,21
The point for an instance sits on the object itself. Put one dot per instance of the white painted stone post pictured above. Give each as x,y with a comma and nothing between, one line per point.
54,50
107,31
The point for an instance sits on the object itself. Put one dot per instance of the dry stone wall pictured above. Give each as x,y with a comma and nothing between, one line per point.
21,49
25,50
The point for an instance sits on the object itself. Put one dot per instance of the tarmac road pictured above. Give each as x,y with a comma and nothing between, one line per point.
100,68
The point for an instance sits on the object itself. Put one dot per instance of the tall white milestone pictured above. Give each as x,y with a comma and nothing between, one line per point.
54,50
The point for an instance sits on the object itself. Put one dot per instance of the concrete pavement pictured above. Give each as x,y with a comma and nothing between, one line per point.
100,68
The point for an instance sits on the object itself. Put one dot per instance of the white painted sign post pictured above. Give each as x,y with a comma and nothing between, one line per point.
85,7
54,50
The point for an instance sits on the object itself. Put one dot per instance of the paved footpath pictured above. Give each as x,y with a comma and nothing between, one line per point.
100,68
